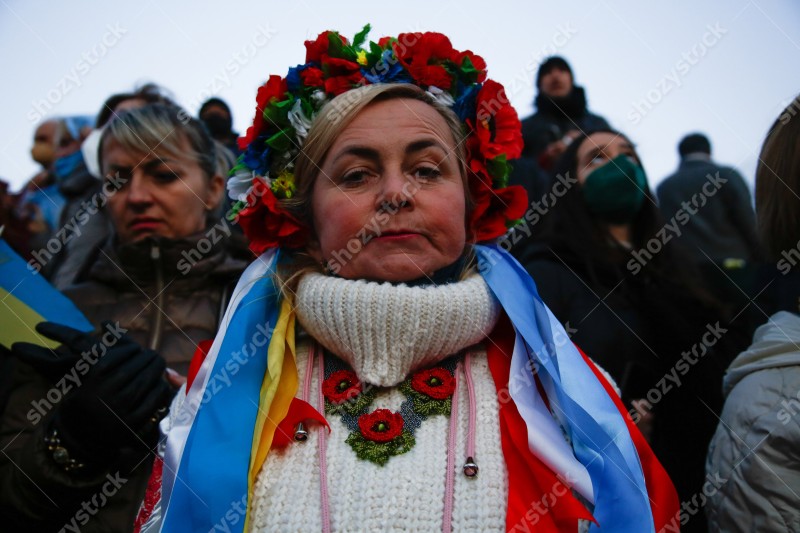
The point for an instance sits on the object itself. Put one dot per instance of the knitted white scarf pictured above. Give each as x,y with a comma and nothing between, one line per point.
385,331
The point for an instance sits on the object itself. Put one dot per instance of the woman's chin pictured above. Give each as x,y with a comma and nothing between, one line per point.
395,270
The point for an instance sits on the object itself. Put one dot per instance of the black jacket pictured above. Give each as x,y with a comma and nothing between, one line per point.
638,327
712,204
165,303
554,118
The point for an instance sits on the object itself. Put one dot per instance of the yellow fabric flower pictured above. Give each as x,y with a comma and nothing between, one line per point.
283,186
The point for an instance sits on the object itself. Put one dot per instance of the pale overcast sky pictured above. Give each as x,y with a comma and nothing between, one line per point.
655,70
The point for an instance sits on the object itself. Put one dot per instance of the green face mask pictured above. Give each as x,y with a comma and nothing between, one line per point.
615,191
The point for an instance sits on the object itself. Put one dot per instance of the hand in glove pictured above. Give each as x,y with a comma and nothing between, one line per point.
118,394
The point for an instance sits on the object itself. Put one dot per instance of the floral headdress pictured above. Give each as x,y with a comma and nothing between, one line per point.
286,107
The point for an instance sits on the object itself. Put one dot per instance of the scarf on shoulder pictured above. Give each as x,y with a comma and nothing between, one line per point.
249,380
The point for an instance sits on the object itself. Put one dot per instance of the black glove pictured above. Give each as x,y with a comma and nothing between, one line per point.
118,390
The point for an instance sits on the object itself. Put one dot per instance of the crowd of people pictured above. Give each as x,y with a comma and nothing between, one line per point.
368,244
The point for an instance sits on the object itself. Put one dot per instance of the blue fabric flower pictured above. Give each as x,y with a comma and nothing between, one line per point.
387,70
293,81
465,105
257,156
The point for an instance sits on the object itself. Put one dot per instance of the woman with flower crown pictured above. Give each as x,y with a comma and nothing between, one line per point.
383,365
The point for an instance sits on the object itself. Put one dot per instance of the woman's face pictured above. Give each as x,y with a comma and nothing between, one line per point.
162,196
389,203
600,148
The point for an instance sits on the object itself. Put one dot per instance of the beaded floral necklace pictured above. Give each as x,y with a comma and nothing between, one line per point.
380,434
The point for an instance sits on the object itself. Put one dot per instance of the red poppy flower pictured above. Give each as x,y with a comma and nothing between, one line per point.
342,75
267,224
476,60
422,54
312,77
493,208
437,383
381,425
497,125
275,87
341,386
477,166
384,41
316,49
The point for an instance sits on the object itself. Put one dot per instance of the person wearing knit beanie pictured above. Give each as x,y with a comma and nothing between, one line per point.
561,114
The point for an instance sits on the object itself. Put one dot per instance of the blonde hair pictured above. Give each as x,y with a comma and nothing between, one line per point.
161,128
336,115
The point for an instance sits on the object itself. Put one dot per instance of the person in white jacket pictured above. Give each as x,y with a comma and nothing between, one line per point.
753,464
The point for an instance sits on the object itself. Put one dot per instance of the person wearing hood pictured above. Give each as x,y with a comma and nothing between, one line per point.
56,145
753,464
561,113
216,115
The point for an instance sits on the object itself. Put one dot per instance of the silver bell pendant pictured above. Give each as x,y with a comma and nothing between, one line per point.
300,433
470,468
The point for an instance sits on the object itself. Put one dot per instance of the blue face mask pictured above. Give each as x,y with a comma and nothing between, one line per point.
64,166
615,192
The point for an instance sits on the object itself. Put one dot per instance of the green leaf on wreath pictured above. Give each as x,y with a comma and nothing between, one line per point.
361,36
500,170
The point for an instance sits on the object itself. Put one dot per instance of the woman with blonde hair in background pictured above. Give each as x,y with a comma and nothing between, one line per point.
155,291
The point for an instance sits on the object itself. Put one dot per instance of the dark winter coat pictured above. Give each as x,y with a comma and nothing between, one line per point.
656,340
166,303
168,294
712,207
554,118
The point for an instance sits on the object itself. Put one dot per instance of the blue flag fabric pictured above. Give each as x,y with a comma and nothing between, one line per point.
26,299
600,438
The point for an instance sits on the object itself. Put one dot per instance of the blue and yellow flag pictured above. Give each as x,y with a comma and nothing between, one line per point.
26,299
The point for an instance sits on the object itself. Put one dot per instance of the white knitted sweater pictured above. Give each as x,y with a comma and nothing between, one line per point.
385,332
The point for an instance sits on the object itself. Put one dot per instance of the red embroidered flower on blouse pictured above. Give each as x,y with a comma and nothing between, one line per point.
437,383
381,425
341,386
